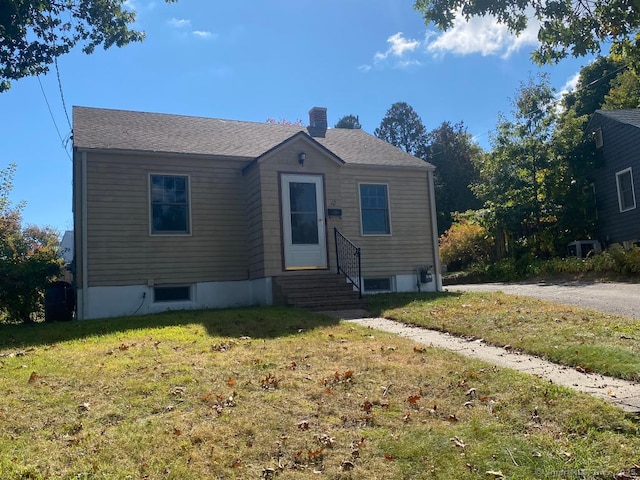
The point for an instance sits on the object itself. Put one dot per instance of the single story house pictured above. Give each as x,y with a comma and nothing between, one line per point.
179,212
617,139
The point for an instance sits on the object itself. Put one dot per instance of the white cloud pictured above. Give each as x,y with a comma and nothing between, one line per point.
570,85
203,34
179,23
483,35
398,47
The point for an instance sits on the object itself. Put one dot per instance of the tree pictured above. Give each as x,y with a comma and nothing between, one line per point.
566,28
402,127
28,258
452,150
624,92
520,179
34,33
349,121
594,83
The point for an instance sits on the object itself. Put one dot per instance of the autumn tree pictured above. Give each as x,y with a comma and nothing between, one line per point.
624,92
565,28
454,153
402,127
28,258
349,122
34,33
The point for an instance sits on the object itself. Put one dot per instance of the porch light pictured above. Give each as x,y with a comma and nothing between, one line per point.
301,158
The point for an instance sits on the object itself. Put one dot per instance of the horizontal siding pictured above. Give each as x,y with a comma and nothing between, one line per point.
254,223
620,150
121,251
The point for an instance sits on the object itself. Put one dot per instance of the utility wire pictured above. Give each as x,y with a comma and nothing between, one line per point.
63,142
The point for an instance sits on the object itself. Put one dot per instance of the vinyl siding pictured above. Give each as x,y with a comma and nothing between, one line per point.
121,249
410,243
620,150
255,223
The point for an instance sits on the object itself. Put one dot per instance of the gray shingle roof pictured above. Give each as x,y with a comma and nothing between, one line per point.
98,128
629,116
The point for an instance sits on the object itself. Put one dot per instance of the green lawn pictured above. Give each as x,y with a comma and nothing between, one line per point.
276,392
587,339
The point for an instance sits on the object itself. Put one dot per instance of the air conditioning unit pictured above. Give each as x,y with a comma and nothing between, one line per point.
582,248
597,136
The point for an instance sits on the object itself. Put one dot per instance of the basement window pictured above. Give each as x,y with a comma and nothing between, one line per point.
377,284
172,294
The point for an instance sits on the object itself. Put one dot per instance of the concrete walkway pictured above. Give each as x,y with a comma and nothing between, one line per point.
621,393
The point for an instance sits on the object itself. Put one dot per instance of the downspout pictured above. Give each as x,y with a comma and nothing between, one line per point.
85,268
434,231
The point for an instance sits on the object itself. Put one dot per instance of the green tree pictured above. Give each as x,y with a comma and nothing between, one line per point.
453,151
566,28
28,258
349,122
402,127
624,92
34,33
520,177
594,83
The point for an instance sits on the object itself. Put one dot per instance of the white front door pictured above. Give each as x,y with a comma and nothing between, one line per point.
303,222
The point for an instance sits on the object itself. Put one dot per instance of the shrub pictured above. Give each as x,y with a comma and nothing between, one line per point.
466,243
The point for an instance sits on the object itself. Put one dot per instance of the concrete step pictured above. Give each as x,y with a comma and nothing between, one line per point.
319,292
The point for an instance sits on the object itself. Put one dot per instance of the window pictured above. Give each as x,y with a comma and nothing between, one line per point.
626,192
374,209
172,294
377,284
169,204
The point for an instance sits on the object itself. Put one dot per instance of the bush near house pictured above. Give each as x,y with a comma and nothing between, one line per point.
28,259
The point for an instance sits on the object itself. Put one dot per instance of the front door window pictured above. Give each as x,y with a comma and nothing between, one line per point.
304,213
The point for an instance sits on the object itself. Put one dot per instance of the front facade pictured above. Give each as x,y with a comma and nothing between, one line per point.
617,177
176,212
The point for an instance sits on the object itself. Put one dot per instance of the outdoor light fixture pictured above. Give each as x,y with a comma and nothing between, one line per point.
301,158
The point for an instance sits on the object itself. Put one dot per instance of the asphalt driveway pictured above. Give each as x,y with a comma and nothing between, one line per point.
618,298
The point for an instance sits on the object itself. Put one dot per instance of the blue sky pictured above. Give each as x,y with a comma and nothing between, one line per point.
248,60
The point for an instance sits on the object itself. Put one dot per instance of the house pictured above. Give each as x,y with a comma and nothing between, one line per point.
177,212
617,175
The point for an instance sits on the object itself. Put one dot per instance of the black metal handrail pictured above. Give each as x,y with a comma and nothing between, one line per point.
348,260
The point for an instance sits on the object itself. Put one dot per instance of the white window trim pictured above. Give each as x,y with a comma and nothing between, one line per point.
388,210
149,205
633,191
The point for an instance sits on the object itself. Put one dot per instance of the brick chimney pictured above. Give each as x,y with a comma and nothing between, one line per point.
318,118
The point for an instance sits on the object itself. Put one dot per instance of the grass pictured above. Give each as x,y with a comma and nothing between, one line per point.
587,339
275,392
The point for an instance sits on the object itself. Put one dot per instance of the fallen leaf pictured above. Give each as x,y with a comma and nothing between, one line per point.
303,425
458,443
388,457
495,474
347,465
84,406
413,399
231,382
33,377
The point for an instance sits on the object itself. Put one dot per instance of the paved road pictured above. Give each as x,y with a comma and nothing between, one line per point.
618,298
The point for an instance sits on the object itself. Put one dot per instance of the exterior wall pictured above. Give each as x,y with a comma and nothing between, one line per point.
125,300
410,244
121,250
620,150
255,223
411,241
285,160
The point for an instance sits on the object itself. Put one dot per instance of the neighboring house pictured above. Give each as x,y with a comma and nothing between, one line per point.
617,177
66,247
177,212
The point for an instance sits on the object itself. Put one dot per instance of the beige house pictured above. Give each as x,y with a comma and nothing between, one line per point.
177,212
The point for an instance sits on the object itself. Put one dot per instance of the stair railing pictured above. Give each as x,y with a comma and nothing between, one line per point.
348,260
